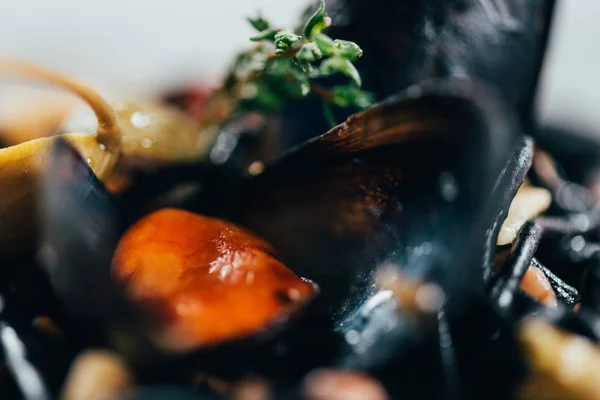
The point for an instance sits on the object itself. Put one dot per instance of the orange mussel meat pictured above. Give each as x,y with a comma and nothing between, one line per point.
203,280
536,285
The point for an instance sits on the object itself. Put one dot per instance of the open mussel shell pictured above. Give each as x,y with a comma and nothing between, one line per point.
407,182
405,42
421,182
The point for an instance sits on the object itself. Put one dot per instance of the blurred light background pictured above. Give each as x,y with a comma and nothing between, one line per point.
135,47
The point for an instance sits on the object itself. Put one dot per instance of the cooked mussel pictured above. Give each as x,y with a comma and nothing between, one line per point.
220,273
405,42
386,186
210,279
334,216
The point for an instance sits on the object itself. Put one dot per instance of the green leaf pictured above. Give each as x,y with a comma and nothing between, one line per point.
284,40
316,22
351,96
340,64
309,52
267,34
259,23
324,42
349,50
286,78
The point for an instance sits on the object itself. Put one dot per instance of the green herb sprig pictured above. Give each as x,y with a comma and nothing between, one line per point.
285,67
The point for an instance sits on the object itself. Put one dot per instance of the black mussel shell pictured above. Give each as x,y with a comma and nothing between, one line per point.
407,182
408,41
81,226
510,179
423,182
79,236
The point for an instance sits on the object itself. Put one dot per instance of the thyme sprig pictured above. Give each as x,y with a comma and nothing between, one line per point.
285,67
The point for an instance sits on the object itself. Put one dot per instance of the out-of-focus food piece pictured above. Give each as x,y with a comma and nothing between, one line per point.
534,282
329,384
118,182
562,366
33,121
412,296
528,203
251,389
193,100
97,375
203,280
156,132
544,166
44,324
537,285
215,383
152,133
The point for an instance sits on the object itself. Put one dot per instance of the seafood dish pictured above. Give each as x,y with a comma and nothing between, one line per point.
347,215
